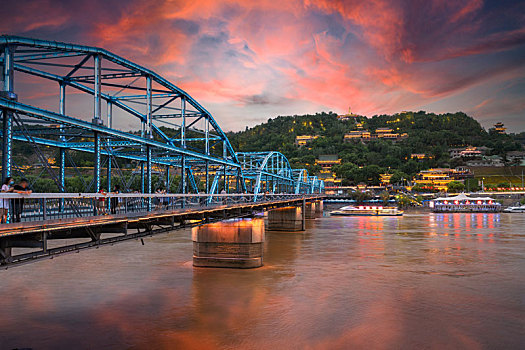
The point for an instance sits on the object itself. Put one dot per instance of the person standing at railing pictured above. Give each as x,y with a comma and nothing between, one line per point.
115,200
101,203
18,203
4,203
157,201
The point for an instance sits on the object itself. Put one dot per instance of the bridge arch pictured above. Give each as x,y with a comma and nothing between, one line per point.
267,172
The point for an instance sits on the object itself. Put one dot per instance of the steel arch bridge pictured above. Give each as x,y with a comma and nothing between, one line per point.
171,133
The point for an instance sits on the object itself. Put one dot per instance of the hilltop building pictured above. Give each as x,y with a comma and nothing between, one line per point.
385,179
348,116
468,152
380,133
492,161
327,161
420,156
302,140
357,135
439,178
329,178
500,128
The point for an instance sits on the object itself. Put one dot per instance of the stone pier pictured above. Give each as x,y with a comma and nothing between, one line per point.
286,219
236,243
319,207
310,210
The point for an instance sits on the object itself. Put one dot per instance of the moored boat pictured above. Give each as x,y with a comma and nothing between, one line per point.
464,204
520,209
365,210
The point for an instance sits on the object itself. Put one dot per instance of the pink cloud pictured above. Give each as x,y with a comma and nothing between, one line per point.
379,56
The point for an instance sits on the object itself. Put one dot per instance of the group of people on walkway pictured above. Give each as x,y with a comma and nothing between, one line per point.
114,201
14,205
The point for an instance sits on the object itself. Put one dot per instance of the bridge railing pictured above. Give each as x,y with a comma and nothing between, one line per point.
51,206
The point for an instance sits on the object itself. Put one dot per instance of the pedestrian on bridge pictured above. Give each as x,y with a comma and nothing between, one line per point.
4,203
101,203
115,200
18,203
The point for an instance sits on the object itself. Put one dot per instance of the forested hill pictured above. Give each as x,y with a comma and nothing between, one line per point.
428,133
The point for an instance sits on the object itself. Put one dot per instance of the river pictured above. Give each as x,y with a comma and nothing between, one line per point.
421,281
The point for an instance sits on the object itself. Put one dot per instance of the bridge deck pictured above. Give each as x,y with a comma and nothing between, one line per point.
152,217
34,240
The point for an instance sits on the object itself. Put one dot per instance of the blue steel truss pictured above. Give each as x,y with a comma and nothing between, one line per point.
169,127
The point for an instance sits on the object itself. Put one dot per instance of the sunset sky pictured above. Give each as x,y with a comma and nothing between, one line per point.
247,61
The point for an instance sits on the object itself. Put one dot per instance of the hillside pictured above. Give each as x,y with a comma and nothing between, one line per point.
428,133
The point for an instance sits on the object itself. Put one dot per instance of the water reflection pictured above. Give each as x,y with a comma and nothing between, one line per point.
418,281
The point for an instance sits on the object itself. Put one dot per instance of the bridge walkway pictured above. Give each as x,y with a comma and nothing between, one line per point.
31,239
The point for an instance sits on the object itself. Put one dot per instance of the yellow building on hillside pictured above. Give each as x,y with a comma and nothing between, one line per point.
439,178
302,140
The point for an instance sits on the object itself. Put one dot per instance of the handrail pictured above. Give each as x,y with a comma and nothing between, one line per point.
6,195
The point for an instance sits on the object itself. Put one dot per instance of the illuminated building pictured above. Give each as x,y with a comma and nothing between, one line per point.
385,179
347,116
500,128
303,140
439,178
420,156
468,152
328,161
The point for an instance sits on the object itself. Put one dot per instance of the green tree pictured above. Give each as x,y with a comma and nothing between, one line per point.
398,176
472,185
455,187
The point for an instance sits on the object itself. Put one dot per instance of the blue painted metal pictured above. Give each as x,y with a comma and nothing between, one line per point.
123,62
7,118
153,104
96,175
148,166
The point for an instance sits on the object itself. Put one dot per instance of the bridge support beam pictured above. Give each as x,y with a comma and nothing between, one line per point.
5,252
236,243
7,115
287,219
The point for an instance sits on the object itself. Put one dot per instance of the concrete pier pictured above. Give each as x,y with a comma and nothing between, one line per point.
286,219
236,243
310,210
319,207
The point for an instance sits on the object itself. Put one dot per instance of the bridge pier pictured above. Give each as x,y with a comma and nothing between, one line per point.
5,252
310,210
236,243
319,207
287,219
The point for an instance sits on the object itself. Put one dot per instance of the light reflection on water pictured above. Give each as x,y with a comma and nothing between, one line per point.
417,281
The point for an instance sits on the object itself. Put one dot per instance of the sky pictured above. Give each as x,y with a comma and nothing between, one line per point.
247,61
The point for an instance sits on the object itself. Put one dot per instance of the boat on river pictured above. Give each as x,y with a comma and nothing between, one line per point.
367,210
520,209
465,204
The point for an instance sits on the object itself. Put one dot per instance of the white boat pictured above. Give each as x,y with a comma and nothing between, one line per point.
364,210
464,204
520,209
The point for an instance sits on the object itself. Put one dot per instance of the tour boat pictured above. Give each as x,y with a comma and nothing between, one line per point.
520,209
464,204
367,211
